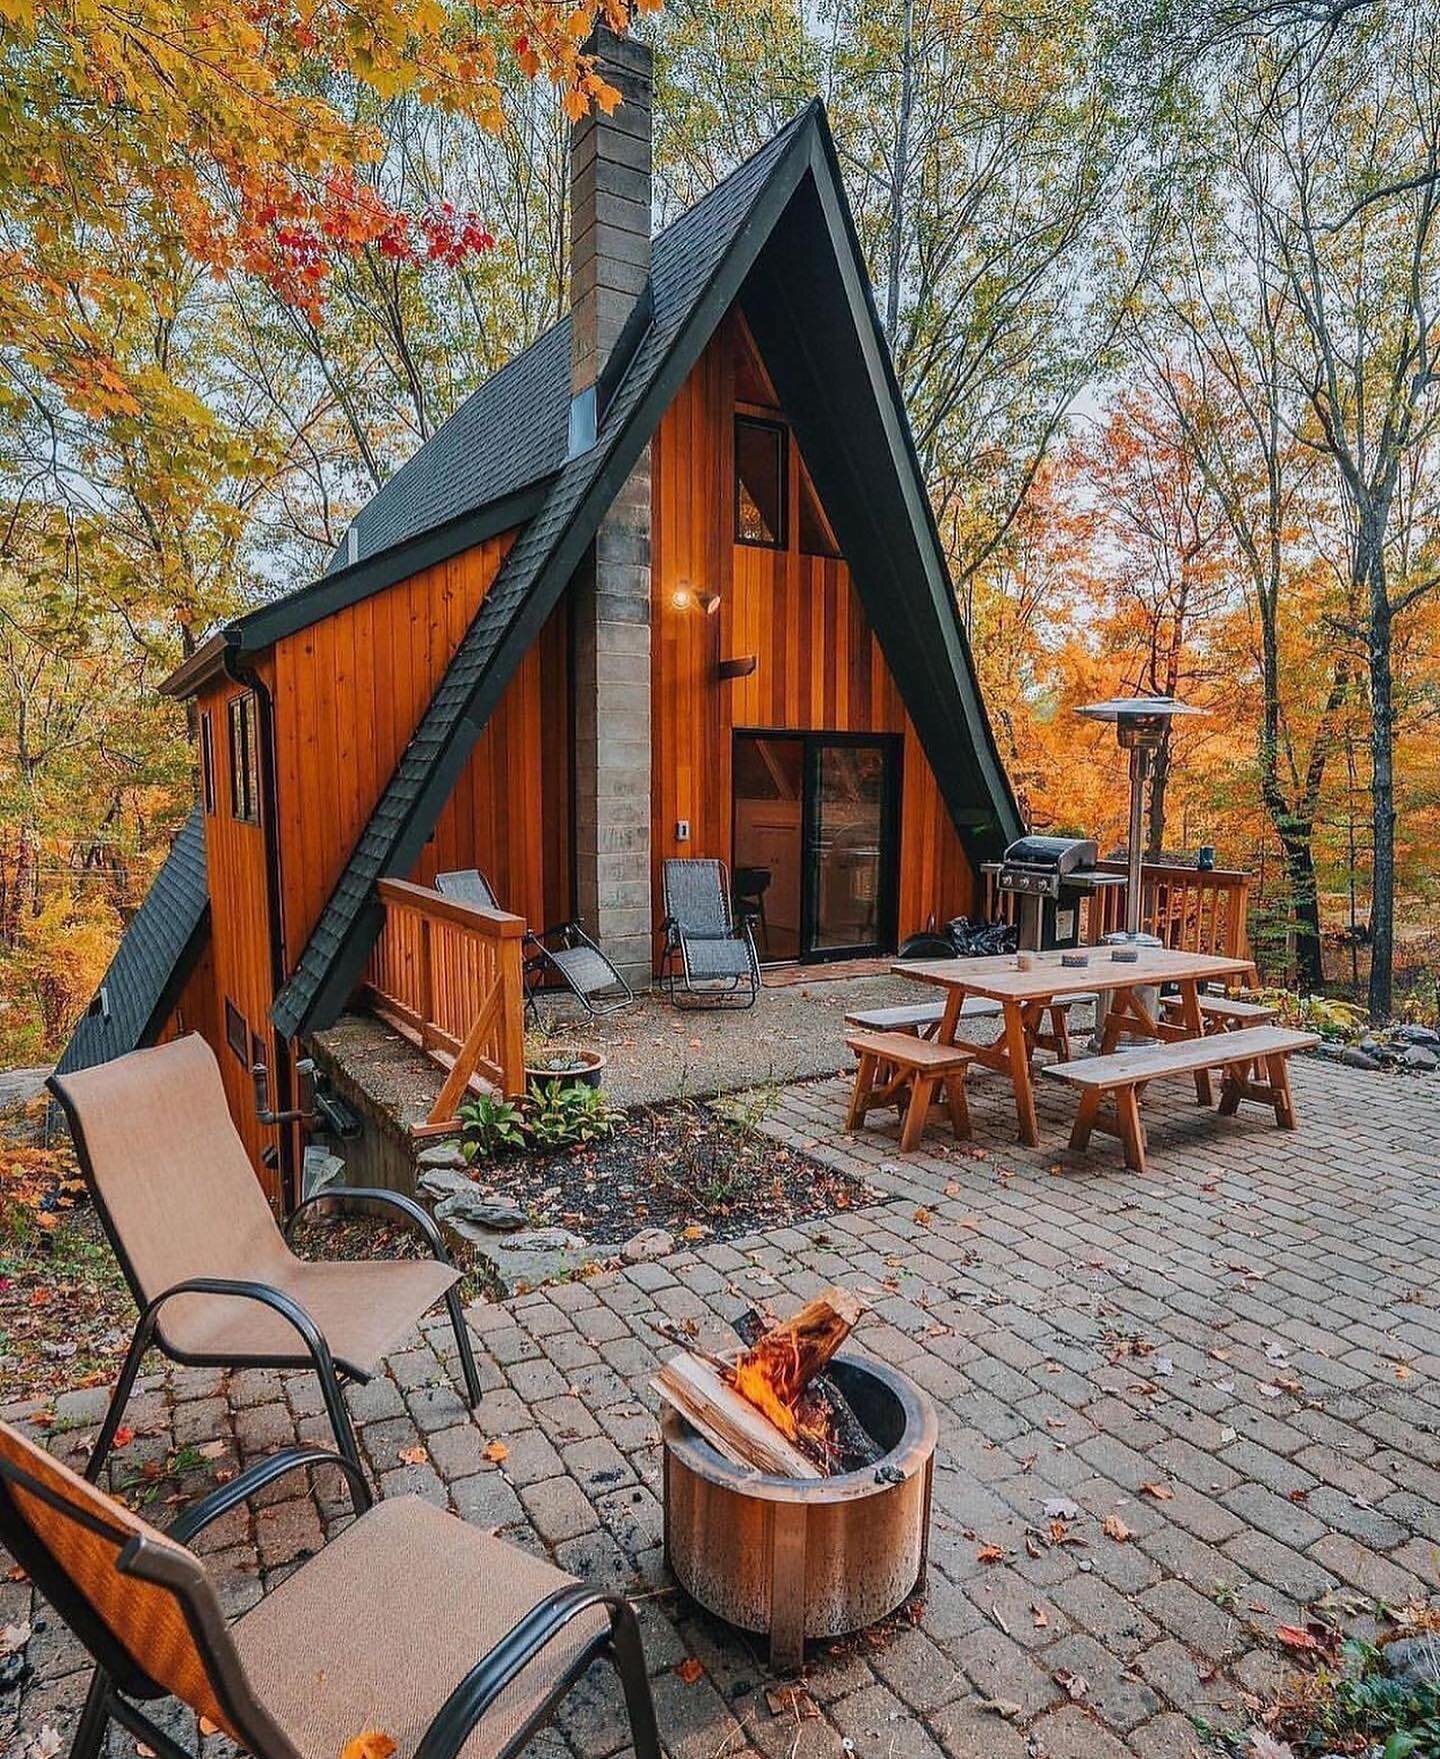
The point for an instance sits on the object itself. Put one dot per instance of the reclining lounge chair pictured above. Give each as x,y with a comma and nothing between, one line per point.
410,1623
213,1276
716,957
565,951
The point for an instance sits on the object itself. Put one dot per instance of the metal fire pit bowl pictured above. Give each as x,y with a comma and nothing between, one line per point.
806,1557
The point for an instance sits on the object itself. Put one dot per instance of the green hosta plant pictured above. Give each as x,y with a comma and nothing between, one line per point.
564,1115
490,1123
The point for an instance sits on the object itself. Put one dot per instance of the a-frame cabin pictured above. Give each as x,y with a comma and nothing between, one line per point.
667,584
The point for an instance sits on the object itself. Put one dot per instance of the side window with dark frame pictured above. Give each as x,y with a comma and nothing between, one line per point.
762,469
207,762
244,759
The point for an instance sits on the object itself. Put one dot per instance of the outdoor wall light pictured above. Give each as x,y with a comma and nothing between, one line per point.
683,598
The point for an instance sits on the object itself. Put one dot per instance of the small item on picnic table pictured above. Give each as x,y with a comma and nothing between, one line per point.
772,1407
1125,955
1075,961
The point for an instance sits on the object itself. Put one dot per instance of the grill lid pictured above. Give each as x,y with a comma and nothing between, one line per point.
1058,855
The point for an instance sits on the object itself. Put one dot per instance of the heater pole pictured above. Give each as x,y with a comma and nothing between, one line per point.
1139,770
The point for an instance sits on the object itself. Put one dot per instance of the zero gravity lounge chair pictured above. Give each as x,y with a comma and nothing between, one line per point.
409,1622
213,1276
716,956
565,951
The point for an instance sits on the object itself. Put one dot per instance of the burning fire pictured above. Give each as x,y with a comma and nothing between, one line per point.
766,1378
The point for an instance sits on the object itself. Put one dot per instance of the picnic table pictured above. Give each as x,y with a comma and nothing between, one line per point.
1027,997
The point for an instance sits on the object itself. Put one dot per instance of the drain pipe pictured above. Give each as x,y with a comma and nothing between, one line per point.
249,679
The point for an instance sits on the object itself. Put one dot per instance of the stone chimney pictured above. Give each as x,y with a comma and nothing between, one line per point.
610,187
610,193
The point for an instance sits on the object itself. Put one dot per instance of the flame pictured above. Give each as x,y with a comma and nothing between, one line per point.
759,1376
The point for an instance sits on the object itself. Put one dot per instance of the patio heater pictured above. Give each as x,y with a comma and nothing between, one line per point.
1140,725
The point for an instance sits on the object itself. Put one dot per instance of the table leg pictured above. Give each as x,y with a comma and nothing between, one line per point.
1194,1022
950,1019
1017,1049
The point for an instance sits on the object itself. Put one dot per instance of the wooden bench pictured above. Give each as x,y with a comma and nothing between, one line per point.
1224,1014
1124,1075
899,1069
922,1018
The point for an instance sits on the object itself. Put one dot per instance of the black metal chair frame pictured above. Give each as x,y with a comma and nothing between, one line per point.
117,1677
316,1354
540,957
734,992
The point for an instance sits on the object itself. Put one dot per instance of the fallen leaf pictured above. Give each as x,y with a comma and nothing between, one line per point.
1161,1492
923,1217
689,1670
414,1457
1039,1617
13,1637
496,1451
46,1744
371,1743
1115,1528
212,1450
1006,1707
124,1435
1074,1683
991,1554
1295,1637
1265,1746
792,1701
207,1727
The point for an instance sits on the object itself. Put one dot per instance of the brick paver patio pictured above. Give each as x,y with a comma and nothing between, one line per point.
1237,1355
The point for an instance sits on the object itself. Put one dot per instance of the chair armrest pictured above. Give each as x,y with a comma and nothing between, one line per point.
256,1477
457,1717
420,1221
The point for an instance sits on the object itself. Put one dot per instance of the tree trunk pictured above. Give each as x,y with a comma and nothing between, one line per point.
1304,909
897,176
1382,790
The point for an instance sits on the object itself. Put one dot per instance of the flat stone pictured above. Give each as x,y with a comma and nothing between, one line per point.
437,1181
489,1212
441,1154
1416,1660
1355,1058
648,1244
1419,1056
526,1260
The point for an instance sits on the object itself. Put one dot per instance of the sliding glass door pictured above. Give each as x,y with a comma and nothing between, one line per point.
816,818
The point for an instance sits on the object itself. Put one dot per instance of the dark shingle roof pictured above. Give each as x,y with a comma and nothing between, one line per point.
684,263
152,961
509,432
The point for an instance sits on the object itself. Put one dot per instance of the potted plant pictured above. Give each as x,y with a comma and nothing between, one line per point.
568,1065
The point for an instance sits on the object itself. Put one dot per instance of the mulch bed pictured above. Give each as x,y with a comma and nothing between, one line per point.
686,1168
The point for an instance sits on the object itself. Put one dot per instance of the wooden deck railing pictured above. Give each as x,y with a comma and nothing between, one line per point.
1187,908
449,977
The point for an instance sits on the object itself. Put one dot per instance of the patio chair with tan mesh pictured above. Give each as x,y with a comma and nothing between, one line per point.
409,1623
211,1272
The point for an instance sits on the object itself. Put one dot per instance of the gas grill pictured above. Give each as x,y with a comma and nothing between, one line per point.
1050,876
1040,867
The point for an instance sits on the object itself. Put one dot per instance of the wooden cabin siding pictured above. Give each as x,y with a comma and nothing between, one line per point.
195,1010
239,956
819,667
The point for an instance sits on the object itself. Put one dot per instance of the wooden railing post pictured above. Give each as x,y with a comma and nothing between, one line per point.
425,985
512,1016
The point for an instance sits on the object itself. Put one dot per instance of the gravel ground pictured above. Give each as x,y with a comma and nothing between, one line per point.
658,1051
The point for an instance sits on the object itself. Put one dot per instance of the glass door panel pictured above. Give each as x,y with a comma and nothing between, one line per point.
769,804
850,855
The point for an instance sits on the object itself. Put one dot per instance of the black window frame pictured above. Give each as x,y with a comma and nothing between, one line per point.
207,764
244,758
781,432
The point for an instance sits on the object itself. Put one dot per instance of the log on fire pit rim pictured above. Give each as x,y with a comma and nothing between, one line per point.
913,1453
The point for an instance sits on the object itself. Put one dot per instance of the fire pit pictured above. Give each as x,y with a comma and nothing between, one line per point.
806,1557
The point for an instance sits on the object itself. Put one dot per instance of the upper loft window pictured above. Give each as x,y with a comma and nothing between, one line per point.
244,759
207,763
761,470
